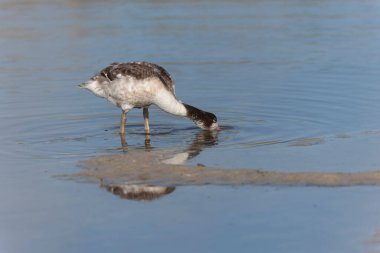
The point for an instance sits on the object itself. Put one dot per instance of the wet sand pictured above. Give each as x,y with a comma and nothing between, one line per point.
149,168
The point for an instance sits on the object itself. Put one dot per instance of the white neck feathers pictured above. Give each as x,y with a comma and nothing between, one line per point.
167,102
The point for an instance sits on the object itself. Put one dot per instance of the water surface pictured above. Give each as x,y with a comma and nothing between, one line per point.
293,83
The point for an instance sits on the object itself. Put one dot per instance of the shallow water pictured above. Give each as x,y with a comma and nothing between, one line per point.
294,85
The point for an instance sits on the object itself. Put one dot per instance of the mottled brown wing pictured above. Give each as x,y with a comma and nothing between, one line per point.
139,70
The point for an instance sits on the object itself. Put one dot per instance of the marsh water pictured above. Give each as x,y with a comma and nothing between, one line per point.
295,86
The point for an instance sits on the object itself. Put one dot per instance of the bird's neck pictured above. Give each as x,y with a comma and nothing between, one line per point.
168,102
196,115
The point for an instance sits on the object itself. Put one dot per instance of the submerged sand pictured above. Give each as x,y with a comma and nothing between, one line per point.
139,167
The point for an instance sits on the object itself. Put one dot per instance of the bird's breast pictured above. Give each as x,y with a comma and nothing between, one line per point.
136,93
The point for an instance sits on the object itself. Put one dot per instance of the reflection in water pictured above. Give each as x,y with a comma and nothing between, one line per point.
150,174
124,144
127,190
202,140
138,192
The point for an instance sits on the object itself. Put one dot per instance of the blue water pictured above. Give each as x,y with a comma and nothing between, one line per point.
294,85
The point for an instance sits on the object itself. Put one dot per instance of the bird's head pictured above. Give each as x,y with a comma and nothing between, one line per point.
203,119
208,121
94,85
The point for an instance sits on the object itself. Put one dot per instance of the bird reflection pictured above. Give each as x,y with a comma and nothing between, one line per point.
124,144
139,192
202,140
144,192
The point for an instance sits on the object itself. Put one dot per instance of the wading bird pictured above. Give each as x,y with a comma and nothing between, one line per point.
139,85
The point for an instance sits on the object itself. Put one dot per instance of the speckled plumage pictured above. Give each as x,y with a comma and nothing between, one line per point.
140,71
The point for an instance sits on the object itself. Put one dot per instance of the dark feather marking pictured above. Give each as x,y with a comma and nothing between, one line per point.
196,114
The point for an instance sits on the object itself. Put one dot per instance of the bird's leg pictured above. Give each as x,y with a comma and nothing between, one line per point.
147,143
123,118
124,144
146,126
146,120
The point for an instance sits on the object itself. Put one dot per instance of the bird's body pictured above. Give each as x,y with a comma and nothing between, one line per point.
141,84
